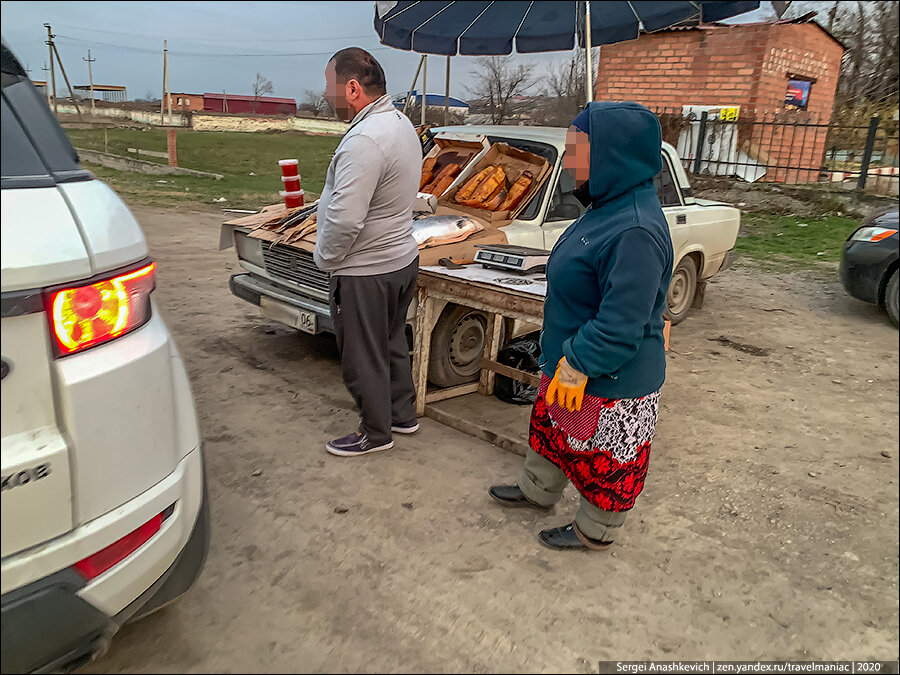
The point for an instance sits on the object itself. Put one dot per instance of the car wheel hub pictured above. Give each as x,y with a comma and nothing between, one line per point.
678,292
467,344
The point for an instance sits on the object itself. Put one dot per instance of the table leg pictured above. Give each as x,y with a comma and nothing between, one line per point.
422,348
491,349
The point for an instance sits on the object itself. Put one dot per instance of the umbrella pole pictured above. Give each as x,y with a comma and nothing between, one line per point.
413,85
589,70
447,93
424,85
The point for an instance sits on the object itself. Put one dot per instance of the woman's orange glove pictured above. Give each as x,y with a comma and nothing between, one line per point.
567,387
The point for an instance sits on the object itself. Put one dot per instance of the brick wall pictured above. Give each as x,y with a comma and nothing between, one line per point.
743,65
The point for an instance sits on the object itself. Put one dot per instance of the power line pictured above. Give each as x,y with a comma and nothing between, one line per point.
224,39
146,50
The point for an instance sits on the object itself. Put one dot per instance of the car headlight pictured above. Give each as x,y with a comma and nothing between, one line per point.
249,249
872,234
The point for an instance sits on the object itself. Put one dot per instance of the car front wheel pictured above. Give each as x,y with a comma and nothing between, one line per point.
891,298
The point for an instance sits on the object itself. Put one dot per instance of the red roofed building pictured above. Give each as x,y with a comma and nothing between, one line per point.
262,105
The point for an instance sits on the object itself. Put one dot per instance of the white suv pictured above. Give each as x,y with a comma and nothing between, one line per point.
104,509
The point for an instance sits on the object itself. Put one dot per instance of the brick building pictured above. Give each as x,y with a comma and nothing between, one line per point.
782,72
187,102
261,105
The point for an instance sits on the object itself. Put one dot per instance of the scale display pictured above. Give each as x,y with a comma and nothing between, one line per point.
508,257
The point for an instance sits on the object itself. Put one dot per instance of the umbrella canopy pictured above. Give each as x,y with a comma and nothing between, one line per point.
483,28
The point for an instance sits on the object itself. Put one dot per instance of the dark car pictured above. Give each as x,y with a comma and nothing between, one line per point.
869,267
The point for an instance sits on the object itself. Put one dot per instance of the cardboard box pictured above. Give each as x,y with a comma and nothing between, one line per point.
460,149
462,252
514,162
425,203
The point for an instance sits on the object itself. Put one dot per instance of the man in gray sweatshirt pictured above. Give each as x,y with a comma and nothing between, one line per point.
364,239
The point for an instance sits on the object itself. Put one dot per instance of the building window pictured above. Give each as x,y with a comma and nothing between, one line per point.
797,95
187,101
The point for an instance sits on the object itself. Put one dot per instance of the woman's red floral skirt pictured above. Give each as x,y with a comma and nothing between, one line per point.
603,449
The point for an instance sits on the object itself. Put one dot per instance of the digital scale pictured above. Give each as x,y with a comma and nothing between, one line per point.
519,259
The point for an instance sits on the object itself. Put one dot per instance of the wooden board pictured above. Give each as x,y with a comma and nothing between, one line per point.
479,431
266,213
461,252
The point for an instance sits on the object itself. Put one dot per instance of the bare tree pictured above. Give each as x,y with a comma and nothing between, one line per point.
500,82
315,102
261,87
563,92
869,30
434,115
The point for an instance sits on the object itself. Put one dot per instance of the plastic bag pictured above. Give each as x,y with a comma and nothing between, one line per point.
522,354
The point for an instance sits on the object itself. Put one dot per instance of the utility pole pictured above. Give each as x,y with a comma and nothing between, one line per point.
51,88
47,84
66,78
54,50
162,103
91,77
168,91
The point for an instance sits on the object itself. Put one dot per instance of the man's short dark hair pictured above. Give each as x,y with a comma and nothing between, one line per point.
354,63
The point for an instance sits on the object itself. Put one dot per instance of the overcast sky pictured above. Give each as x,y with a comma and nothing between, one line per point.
216,46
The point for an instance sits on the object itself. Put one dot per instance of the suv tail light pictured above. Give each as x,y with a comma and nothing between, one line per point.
95,565
85,316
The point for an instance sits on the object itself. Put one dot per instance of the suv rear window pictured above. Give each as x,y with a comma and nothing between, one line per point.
35,151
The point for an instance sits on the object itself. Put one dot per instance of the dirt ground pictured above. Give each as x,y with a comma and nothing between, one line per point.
802,200
768,528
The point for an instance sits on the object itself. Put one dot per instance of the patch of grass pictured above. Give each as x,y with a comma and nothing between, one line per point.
247,160
792,242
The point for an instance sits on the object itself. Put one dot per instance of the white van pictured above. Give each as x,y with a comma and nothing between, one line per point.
104,508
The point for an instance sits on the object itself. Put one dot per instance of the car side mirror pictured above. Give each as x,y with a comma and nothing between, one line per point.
564,211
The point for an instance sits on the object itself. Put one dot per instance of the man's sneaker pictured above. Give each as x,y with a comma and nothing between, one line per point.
410,427
355,444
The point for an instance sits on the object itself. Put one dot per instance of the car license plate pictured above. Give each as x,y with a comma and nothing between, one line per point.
290,316
306,322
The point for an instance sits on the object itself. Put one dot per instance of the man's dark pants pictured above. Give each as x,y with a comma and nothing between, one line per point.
369,315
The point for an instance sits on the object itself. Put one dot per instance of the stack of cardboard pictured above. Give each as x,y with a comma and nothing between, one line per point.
278,225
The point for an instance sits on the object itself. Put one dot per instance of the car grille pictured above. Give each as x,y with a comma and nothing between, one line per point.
291,264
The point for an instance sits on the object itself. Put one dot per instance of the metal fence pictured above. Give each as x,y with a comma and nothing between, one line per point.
788,147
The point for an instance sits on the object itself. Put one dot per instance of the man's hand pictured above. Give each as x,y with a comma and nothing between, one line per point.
567,387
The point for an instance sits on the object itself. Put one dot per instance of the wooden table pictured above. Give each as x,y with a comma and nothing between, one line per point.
501,295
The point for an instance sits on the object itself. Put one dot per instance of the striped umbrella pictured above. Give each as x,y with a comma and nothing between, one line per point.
481,28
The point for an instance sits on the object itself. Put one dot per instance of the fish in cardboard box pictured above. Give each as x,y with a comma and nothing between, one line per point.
444,229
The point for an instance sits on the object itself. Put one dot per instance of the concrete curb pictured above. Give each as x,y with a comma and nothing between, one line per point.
140,165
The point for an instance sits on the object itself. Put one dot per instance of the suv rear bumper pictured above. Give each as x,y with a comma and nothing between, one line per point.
61,621
251,288
48,627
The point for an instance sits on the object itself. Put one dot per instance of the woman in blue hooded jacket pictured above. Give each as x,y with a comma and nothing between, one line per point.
602,345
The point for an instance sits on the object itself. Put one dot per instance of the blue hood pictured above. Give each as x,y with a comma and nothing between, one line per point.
626,147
